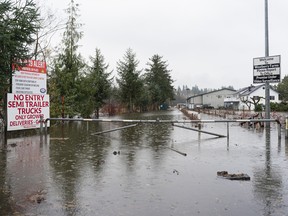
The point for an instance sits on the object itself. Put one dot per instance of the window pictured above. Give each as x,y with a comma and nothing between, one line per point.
272,97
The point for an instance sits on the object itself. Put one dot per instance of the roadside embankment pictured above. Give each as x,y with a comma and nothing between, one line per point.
192,115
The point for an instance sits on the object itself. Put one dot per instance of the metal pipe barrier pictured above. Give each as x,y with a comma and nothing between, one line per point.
166,121
198,130
114,129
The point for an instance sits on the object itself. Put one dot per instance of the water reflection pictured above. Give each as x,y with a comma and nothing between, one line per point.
23,163
79,174
154,137
268,181
69,157
6,205
286,148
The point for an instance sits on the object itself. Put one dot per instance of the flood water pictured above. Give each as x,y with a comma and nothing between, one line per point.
133,171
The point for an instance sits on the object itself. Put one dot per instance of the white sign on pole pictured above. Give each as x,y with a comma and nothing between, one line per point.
30,78
266,69
25,110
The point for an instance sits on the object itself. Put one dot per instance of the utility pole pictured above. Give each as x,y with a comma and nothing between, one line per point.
267,86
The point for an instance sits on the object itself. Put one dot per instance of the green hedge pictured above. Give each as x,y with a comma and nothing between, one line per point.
279,107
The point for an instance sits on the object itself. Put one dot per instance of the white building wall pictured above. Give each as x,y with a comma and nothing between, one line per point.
260,93
216,99
195,101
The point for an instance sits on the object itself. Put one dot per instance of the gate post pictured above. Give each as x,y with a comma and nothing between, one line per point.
227,130
41,124
286,128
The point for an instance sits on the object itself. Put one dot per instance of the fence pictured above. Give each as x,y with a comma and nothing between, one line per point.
173,122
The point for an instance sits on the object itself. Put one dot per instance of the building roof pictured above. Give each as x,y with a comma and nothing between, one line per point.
210,92
250,89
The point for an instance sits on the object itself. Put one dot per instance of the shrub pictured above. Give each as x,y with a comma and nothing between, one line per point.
258,108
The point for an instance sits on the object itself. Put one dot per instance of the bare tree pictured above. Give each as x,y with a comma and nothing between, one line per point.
50,26
251,101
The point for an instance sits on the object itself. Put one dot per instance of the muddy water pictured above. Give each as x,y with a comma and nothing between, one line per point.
134,172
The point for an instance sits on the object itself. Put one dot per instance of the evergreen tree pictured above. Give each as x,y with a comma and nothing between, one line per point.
99,82
159,81
282,88
129,81
66,77
196,90
19,22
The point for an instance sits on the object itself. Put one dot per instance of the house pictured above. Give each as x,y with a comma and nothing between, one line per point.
246,98
213,99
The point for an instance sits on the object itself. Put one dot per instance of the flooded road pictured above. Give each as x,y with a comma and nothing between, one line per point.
134,171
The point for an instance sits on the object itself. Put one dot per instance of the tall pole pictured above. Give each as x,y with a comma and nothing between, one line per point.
267,86
266,30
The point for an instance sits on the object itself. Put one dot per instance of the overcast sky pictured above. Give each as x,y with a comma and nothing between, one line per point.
208,43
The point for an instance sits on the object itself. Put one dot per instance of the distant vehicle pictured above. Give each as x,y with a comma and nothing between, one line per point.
164,106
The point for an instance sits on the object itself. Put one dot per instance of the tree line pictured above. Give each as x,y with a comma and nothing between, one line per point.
75,86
